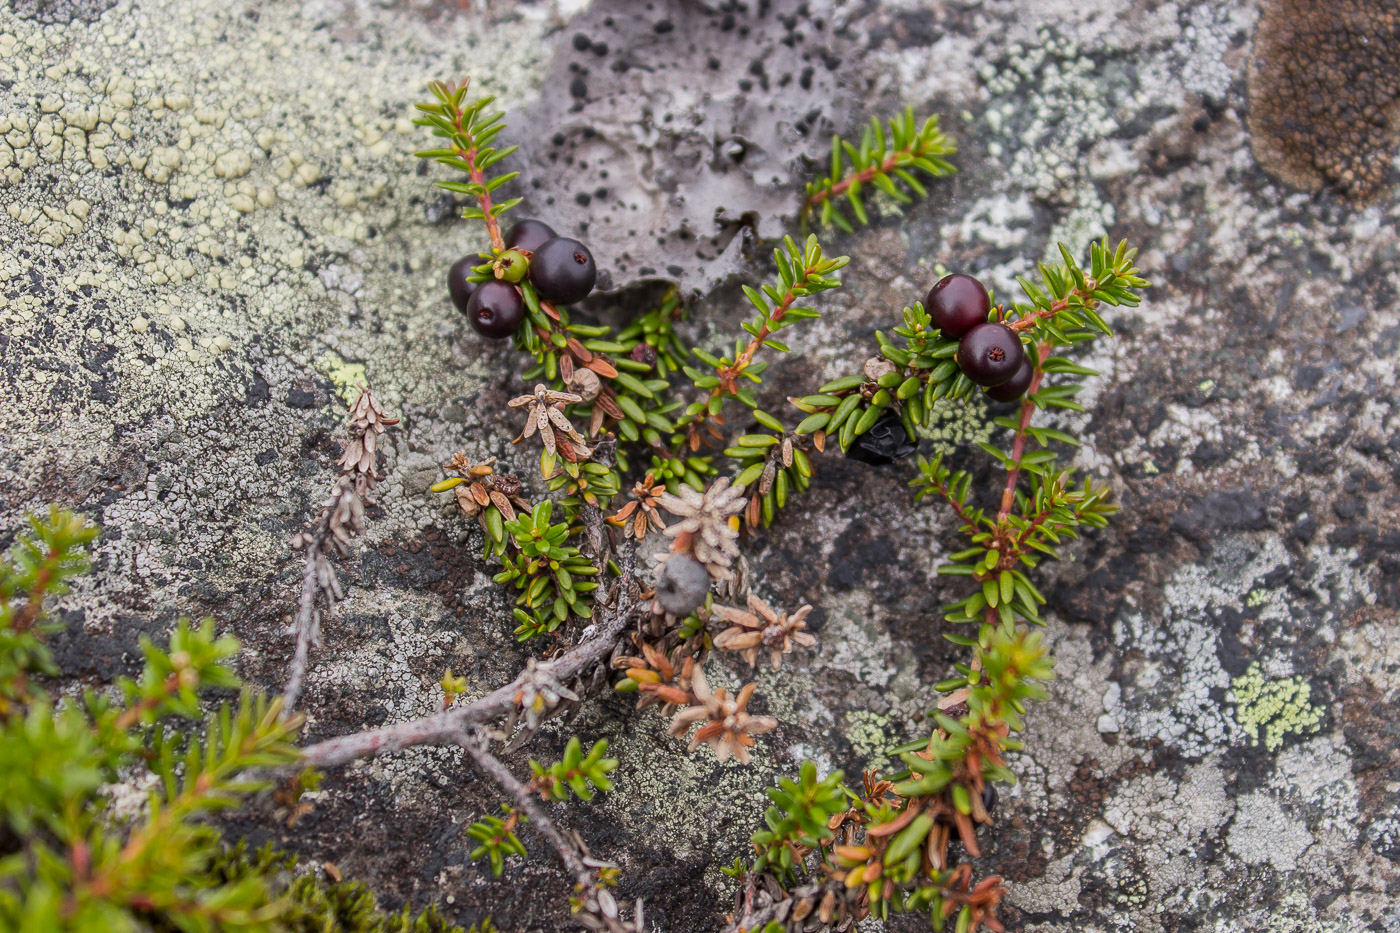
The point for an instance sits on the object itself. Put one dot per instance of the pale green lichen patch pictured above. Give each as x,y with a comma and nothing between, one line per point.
956,424
868,733
348,378
1269,710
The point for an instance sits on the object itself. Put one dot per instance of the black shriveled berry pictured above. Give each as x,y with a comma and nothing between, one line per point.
990,354
682,584
529,234
1016,386
884,443
989,796
644,353
496,309
562,270
957,303
457,285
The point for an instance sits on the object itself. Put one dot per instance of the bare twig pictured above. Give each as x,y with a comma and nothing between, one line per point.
596,908
528,802
341,519
447,727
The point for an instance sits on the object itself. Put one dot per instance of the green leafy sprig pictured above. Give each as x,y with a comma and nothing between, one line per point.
553,577
883,160
496,839
797,819
575,772
469,128
81,868
803,271
39,565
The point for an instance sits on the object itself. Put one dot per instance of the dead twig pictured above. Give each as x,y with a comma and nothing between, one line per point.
447,727
595,906
341,518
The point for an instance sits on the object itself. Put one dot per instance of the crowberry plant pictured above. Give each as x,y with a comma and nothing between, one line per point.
705,462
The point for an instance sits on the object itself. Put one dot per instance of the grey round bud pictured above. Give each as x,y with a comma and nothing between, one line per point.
875,367
682,584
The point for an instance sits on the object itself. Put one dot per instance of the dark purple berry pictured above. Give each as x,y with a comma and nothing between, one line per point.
496,309
1016,386
458,285
562,270
529,234
884,443
990,354
957,303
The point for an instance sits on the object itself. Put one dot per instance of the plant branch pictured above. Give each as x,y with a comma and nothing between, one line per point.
341,519
1085,295
478,177
1008,495
891,162
592,899
756,341
525,799
445,728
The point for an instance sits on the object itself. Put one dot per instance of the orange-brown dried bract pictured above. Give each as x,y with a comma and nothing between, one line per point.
1323,89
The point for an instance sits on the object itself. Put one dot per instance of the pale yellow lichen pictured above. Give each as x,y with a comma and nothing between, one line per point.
1269,710
347,378
867,733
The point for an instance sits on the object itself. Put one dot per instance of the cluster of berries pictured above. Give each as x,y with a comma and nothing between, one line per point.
560,269
989,353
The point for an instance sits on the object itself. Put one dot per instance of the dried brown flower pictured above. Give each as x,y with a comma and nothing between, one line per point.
641,510
727,726
586,383
538,691
762,629
547,416
480,488
368,420
662,680
705,531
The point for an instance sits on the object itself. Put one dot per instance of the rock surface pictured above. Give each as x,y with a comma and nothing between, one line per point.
214,228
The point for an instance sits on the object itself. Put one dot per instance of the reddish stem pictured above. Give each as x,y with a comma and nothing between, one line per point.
1086,295
29,612
1008,496
864,175
746,357
728,374
493,227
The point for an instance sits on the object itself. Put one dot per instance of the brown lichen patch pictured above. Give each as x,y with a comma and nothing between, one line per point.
1324,93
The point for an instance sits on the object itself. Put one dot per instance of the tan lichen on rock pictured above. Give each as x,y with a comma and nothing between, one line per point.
1324,93
182,160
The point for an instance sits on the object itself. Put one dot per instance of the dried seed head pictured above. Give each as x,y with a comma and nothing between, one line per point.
586,384
875,367
507,483
643,353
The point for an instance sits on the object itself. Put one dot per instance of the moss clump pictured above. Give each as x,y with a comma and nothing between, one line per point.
315,906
